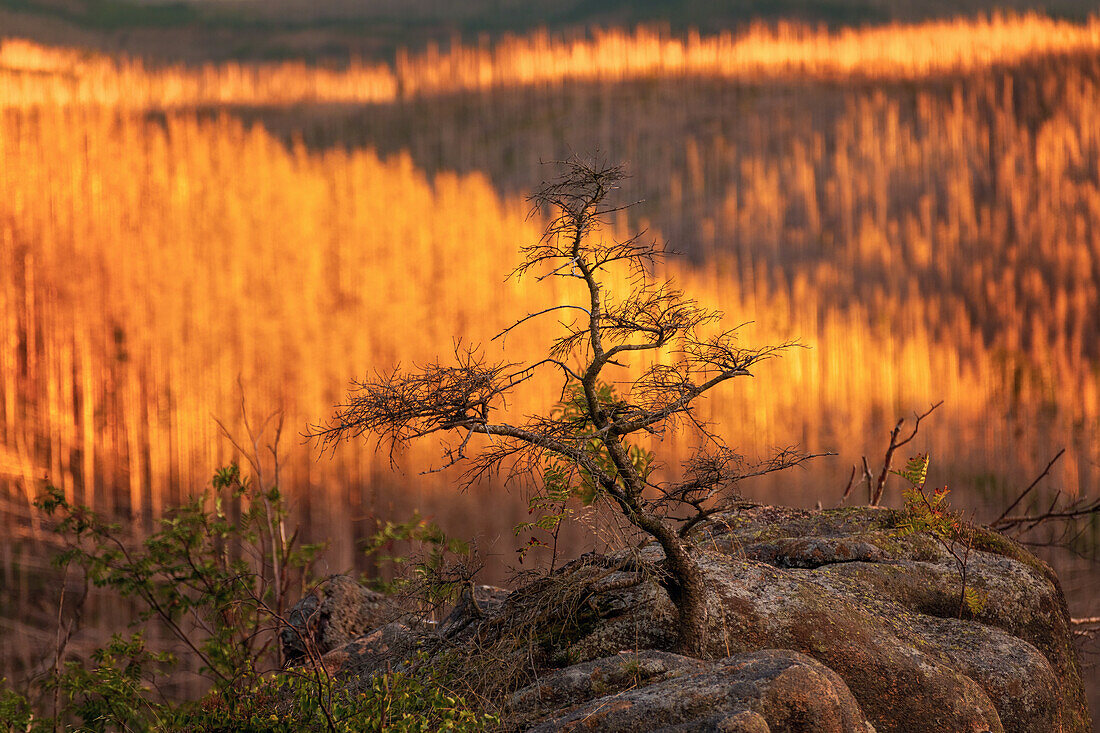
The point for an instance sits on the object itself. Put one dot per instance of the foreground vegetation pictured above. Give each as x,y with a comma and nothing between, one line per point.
216,575
219,570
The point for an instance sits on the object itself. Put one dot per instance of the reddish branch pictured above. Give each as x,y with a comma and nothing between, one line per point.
895,443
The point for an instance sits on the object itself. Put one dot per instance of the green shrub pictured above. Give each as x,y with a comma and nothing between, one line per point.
217,574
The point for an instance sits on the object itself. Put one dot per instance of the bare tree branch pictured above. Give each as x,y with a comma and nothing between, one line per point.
535,315
848,488
880,485
1027,491
714,473
1077,510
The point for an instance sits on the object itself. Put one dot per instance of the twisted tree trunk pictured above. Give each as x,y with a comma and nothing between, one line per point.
686,585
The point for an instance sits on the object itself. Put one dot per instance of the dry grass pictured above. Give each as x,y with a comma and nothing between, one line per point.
144,266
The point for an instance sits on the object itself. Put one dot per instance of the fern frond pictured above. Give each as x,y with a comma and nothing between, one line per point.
915,471
975,600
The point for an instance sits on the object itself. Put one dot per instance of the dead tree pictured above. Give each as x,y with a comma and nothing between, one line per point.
464,398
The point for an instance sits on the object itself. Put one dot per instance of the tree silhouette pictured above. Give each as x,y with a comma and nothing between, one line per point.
592,436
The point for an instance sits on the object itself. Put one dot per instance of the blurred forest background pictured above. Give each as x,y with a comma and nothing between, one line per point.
208,199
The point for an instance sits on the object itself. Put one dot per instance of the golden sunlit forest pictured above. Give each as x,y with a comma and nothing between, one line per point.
917,205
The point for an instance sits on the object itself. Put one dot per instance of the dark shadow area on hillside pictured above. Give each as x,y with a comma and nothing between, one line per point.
338,30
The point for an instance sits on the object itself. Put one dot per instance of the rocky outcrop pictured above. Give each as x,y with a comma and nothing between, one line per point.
389,640
337,612
828,620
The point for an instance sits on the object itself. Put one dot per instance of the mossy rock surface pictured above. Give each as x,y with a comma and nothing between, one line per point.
337,612
860,624
881,610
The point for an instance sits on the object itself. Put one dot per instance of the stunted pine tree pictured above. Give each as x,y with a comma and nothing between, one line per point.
594,436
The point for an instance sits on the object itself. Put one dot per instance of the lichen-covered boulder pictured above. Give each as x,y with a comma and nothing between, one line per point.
818,621
338,611
754,692
879,609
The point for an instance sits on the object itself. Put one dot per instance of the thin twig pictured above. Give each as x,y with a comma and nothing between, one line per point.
848,488
1027,491
529,316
